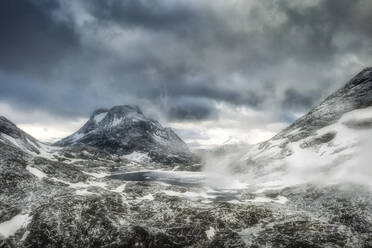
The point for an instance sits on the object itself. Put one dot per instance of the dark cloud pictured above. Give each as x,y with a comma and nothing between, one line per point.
274,56
191,108
295,101
32,39
155,14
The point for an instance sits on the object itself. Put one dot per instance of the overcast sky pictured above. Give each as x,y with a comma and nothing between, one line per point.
209,69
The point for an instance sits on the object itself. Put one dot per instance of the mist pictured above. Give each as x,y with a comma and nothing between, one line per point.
306,166
219,167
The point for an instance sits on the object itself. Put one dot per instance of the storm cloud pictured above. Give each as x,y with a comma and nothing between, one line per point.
180,60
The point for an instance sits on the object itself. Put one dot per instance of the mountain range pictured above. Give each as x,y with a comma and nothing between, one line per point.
123,180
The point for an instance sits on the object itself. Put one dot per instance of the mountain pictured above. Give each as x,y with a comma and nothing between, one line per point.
328,137
10,134
125,130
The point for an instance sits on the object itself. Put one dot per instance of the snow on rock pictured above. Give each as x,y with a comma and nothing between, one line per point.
23,144
36,172
48,151
11,134
83,192
16,142
96,175
116,121
278,199
82,185
190,194
10,227
262,199
148,197
98,118
120,188
137,157
210,233
75,137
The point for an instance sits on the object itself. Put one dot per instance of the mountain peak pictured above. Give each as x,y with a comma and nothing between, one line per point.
125,129
118,111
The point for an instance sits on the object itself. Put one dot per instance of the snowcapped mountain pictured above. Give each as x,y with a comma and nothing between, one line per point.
124,130
331,136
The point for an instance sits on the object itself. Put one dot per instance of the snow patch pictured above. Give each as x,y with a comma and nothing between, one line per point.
80,185
83,192
117,121
210,233
48,151
120,188
98,118
262,199
16,142
137,157
96,175
36,172
76,136
189,194
148,197
10,227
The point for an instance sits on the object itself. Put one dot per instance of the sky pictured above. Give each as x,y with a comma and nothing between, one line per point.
211,70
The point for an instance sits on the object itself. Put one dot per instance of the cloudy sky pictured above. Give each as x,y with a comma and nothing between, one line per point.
209,69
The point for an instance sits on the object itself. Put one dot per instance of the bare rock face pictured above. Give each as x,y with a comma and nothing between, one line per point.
123,130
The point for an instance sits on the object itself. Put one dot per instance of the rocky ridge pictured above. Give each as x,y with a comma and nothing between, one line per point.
329,135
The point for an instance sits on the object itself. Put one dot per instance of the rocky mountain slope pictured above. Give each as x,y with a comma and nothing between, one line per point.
332,136
12,135
124,130
81,195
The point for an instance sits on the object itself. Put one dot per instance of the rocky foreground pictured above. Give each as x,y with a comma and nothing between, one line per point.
48,203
